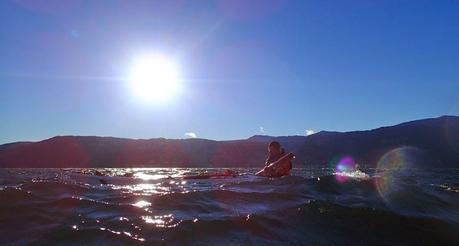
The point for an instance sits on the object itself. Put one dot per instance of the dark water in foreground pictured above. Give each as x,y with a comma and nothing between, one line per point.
144,206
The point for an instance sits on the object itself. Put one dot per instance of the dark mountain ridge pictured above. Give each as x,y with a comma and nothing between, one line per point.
436,141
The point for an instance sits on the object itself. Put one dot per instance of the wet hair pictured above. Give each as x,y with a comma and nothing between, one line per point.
275,144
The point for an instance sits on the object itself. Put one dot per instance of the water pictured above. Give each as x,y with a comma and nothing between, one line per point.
157,206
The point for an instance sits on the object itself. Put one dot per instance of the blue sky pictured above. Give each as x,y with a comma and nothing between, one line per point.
245,68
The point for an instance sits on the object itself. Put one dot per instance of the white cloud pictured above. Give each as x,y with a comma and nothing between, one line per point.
262,130
309,132
190,135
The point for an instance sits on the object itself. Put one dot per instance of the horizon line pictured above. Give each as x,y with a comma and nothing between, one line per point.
236,139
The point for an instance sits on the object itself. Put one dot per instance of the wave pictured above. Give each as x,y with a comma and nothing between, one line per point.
59,206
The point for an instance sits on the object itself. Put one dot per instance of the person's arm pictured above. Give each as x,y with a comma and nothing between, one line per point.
288,157
268,161
277,168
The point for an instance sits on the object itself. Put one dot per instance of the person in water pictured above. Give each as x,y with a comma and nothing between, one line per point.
276,153
277,164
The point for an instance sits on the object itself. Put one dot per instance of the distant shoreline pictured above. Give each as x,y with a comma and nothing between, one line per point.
426,143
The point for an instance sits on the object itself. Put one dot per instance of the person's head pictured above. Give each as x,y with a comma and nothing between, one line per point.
274,148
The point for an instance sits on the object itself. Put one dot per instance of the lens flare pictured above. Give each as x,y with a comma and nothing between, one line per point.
391,166
344,165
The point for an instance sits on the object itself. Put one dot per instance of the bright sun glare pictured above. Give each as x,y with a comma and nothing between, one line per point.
153,78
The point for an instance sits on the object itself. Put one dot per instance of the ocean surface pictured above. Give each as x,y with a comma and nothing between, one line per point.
120,206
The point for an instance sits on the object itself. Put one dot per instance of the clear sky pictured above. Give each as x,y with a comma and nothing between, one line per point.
244,68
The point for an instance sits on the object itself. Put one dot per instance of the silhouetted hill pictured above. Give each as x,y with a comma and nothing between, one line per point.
78,151
436,142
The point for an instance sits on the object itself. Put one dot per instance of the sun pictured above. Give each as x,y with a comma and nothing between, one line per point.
153,78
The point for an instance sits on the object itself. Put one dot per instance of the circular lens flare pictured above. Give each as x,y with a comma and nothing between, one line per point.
391,167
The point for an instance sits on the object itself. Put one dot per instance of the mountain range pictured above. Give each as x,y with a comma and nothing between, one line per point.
431,142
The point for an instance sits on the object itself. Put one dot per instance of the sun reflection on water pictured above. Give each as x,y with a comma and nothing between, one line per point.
164,221
142,204
143,189
144,176
128,234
